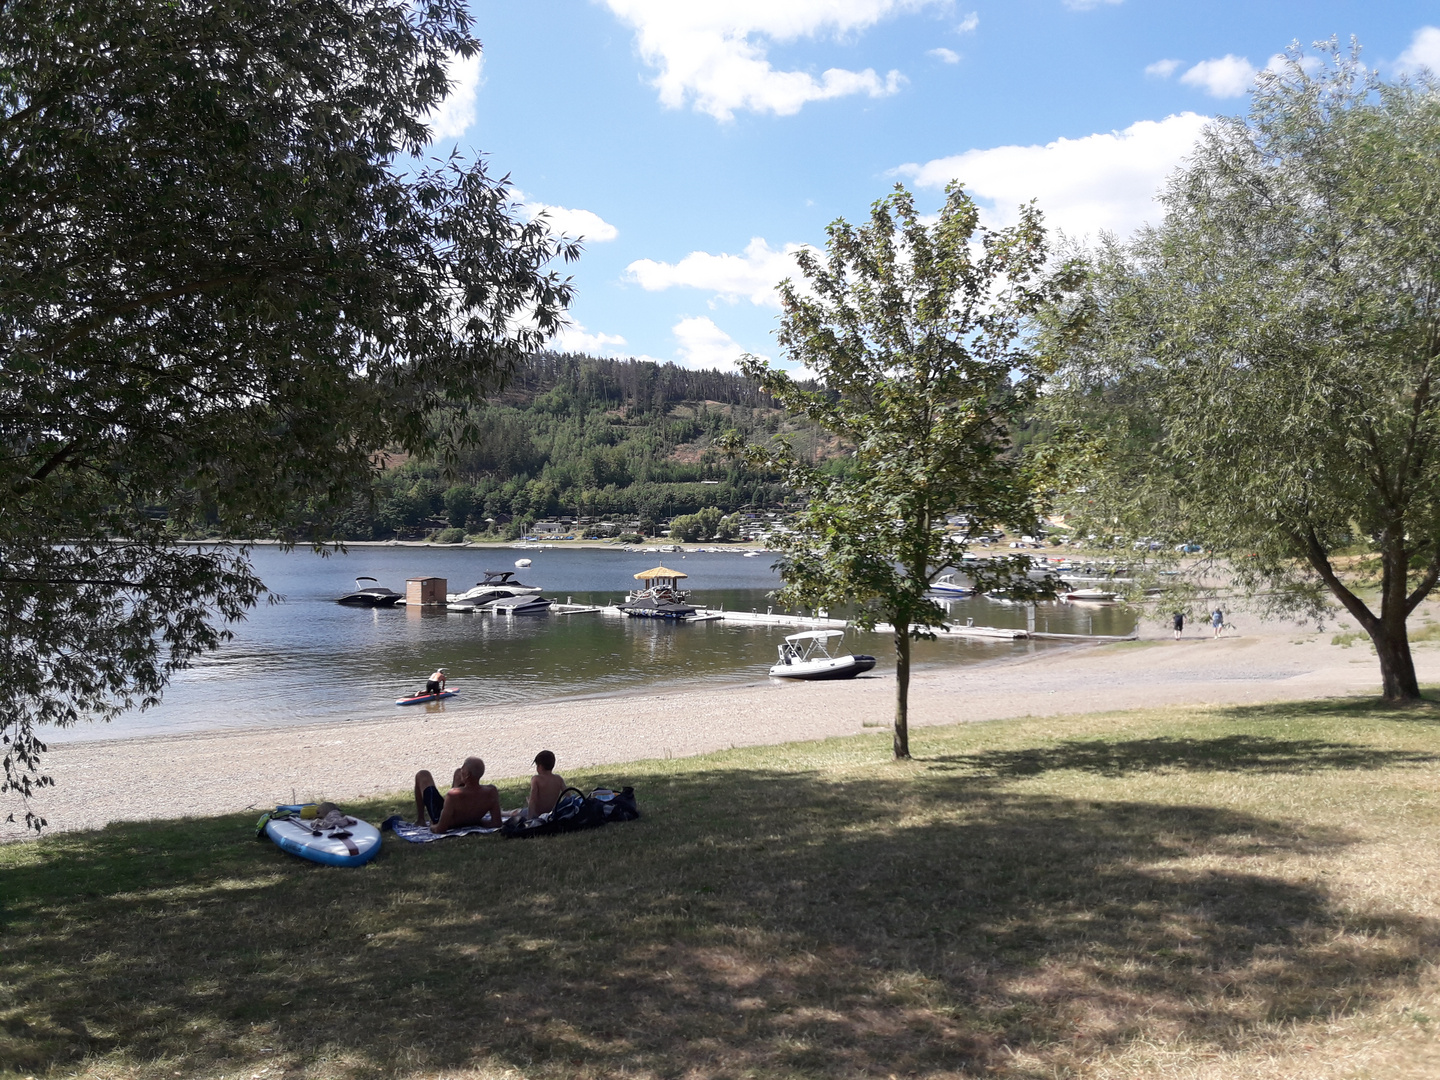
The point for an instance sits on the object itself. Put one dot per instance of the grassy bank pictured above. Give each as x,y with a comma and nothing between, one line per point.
1232,892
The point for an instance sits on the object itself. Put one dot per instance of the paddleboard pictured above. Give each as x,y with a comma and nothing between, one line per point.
331,847
420,699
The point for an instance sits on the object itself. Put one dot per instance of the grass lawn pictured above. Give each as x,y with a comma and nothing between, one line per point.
1229,892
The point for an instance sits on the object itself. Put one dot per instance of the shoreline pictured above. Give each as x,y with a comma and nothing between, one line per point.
203,773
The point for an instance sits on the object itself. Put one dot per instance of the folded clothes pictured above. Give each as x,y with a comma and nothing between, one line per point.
421,834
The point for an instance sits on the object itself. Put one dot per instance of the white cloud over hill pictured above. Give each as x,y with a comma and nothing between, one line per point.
1104,181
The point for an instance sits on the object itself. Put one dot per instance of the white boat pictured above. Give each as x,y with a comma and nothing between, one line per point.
807,656
496,586
521,605
521,564
752,555
1091,596
946,585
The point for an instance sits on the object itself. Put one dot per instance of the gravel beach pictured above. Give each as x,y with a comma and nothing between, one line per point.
105,780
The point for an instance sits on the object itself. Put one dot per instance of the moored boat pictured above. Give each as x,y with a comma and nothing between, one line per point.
807,656
661,598
946,585
1091,596
375,595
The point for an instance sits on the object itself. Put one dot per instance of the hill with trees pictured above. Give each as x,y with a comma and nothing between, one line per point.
629,442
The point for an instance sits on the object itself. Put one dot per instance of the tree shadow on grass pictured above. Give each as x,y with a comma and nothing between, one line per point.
1225,753
753,923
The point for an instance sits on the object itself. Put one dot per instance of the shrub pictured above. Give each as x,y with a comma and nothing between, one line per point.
450,536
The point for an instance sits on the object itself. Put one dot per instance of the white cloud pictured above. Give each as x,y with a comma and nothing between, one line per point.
950,56
579,224
1162,69
575,338
1424,52
1104,181
969,23
1088,5
451,118
714,55
752,275
1229,76
702,344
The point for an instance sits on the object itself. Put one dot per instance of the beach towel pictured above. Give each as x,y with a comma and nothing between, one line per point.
421,834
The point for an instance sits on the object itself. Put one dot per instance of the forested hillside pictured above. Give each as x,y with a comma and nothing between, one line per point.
576,436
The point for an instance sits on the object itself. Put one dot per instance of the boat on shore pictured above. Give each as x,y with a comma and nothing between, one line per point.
660,598
375,595
807,656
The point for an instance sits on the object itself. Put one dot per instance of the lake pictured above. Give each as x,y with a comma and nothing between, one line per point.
309,660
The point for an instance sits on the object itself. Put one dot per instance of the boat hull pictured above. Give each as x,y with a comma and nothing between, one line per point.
838,667
370,599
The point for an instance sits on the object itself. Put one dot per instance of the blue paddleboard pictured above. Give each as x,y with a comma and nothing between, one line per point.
354,845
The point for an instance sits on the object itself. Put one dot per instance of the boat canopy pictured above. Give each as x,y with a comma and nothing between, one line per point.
658,572
816,635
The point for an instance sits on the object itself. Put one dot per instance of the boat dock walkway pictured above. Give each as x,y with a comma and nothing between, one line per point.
816,622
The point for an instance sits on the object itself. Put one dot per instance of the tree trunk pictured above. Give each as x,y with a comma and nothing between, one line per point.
1398,684
902,690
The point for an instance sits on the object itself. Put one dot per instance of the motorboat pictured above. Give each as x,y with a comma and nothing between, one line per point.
498,585
946,585
660,598
807,656
521,564
1091,596
520,605
374,595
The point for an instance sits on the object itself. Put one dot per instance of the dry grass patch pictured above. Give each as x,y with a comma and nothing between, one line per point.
1211,893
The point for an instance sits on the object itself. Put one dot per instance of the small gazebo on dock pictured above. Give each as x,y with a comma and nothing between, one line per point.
660,578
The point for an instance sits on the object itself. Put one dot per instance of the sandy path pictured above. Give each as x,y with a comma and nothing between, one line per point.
169,776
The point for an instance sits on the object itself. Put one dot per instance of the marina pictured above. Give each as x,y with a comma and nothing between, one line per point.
308,660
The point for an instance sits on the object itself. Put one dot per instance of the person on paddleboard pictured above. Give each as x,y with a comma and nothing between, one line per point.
436,683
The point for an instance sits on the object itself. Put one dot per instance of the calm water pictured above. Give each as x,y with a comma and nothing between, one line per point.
309,660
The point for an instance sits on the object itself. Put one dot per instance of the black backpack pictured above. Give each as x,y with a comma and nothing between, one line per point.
575,810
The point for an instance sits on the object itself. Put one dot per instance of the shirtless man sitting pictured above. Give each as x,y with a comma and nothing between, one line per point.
545,786
468,802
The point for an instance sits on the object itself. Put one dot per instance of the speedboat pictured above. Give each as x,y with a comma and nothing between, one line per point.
375,595
496,586
520,605
946,585
1091,596
807,656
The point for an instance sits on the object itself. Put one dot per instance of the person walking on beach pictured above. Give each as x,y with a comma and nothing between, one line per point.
1179,624
436,683
1217,621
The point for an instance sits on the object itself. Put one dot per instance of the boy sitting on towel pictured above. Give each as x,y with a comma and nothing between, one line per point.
468,802
545,786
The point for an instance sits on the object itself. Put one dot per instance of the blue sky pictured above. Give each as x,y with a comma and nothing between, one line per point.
695,144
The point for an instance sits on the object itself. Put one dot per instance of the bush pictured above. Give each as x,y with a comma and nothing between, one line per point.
450,536
631,538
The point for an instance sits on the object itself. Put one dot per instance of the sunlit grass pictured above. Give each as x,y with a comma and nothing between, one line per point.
1229,892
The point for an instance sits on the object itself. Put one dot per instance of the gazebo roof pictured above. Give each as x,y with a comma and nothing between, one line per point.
658,572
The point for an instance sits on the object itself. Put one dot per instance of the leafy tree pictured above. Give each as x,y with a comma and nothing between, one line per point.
1261,368
914,333
226,284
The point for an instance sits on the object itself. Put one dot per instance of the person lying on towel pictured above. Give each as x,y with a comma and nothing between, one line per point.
468,802
546,786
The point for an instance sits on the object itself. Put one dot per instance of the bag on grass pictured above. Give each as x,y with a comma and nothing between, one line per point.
575,811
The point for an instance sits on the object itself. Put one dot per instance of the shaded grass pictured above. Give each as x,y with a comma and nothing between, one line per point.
1028,898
